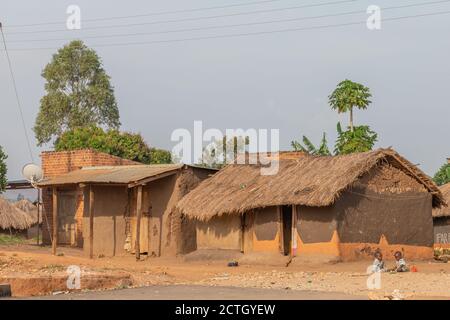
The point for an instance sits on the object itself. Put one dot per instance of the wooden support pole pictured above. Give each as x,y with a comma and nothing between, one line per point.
137,246
242,232
294,230
280,229
38,214
91,222
55,219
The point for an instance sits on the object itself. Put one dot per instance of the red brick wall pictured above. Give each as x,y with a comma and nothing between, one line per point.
55,163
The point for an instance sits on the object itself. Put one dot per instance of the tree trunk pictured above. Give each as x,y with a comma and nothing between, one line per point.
351,119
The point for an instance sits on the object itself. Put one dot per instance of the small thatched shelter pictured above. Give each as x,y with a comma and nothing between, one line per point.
29,207
12,219
341,206
441,219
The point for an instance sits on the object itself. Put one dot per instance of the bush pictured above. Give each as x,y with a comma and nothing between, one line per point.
122,144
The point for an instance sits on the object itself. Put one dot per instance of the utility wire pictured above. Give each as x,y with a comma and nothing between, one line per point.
145,14
246,34
230,25
194,18
16,93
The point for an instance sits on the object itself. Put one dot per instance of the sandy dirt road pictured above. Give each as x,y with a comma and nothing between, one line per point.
190,292
163,277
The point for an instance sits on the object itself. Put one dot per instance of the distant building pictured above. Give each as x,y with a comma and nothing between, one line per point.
441,218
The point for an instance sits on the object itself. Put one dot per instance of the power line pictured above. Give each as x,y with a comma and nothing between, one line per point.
245,34
194,18
13,78
232,25
146,14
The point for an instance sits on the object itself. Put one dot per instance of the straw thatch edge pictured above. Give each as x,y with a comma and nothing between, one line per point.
371,159
443,211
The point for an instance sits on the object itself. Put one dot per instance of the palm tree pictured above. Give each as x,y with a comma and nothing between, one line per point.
347,95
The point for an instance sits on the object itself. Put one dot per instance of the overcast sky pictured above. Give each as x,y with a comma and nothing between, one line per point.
276,80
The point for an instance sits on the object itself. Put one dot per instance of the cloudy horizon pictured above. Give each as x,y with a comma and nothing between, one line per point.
271,80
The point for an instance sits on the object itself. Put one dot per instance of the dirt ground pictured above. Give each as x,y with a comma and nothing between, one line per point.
32,271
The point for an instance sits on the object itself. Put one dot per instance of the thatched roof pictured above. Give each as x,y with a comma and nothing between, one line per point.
443,211
12,217
28,207
310,180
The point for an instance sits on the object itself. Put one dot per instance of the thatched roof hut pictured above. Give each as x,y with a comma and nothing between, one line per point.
314,181
443,211
12,217
28,207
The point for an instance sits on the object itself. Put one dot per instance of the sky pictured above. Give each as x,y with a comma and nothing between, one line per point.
230,79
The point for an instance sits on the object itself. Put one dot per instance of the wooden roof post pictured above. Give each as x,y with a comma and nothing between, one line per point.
280,230
38,214
242,232
55,219
91,221
137,246
294,230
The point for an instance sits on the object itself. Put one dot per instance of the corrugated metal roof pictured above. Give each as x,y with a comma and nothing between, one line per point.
111,174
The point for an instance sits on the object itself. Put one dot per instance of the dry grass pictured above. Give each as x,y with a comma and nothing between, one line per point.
28,207
444,211
12,217
310,180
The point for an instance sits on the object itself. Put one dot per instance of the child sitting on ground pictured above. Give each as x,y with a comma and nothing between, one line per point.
378,263
400,263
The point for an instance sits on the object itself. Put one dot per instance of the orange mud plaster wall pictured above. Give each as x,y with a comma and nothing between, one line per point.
356,251
222,232
266,230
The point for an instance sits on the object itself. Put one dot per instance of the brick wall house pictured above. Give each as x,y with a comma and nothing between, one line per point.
57,163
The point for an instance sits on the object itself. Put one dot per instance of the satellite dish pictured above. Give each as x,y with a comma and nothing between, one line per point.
32,173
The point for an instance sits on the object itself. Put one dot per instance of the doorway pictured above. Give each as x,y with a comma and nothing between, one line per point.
67,208
286,212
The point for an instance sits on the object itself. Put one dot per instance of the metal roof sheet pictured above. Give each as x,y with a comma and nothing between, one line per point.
110,174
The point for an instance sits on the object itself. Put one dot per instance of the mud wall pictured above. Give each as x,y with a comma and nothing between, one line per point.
158,199
316,224
110,205
222,232
364,216
388,210
266,228
442,232
183,233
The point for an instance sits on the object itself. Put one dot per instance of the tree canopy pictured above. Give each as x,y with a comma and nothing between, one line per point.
443,175
122,144
360,139
78,94
220,152
3,170
349,95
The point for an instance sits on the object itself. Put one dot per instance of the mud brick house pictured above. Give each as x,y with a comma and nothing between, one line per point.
441,220
110,206
343,207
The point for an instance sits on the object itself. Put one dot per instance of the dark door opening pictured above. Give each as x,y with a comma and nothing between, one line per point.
287,229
